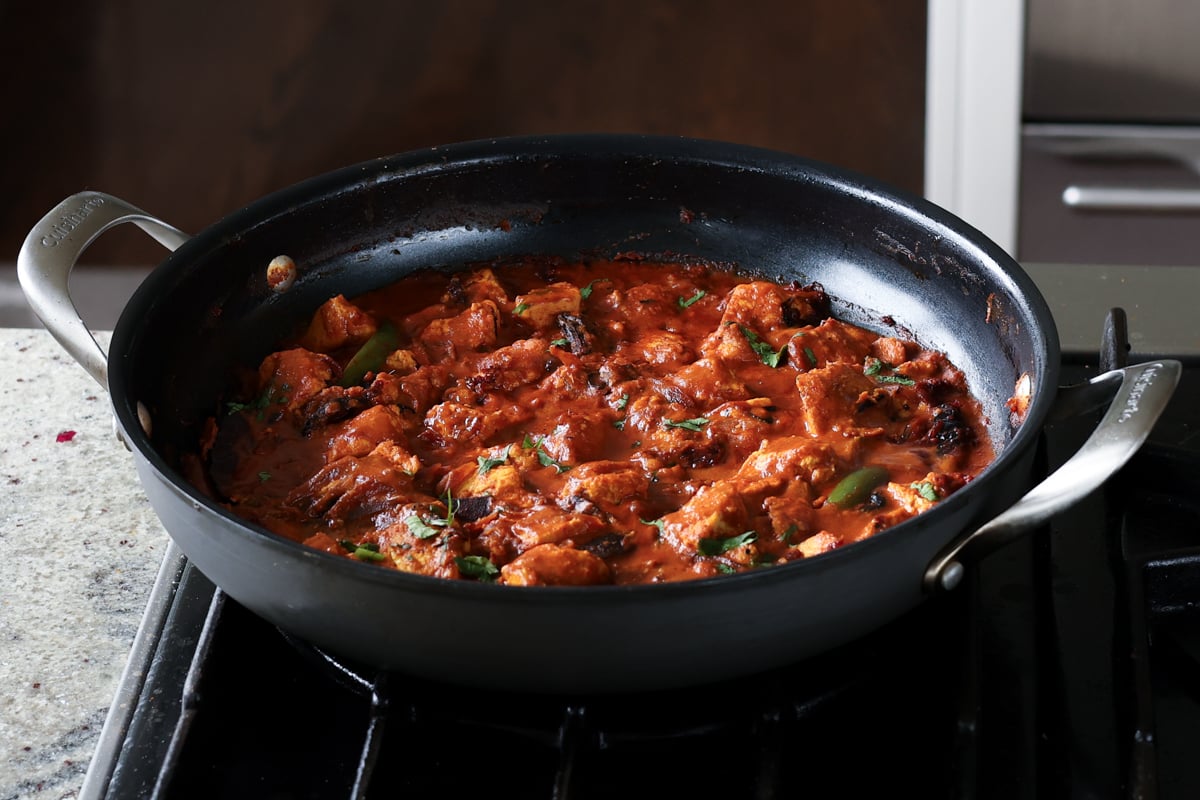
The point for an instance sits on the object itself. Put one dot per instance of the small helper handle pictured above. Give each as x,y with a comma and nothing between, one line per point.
50,252
1142,392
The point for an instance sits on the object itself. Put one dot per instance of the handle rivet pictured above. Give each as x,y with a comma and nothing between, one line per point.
952,575
281,274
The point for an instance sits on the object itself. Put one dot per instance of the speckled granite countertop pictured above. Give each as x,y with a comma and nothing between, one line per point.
79,551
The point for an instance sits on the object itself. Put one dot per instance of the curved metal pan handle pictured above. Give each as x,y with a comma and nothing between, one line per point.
50,252
1142,392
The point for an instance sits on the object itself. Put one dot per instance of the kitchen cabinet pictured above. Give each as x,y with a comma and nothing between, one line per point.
191,110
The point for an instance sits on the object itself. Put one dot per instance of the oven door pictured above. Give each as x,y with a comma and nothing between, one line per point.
1109,194
1110,145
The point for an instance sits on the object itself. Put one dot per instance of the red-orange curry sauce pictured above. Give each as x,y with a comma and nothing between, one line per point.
550,423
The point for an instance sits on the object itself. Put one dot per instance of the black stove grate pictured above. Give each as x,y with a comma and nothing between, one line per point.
1157,649
293,724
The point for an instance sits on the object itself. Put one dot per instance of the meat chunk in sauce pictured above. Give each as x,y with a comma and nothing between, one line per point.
414,545
542,306
553,565
353,487
292,378
366,431
338,323
547,423
474,330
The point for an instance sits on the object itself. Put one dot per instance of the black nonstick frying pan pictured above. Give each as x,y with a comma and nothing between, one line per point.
889,261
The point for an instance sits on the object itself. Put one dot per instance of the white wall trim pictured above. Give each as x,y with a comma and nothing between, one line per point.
973,112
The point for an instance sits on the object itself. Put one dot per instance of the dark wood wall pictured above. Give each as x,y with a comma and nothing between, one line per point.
191,110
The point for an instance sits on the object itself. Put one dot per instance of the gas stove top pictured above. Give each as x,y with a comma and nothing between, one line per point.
1067,664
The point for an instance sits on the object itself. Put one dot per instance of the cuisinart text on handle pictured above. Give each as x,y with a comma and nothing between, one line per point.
1136,391
69,222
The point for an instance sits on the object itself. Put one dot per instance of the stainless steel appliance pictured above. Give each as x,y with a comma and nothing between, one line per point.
1110,138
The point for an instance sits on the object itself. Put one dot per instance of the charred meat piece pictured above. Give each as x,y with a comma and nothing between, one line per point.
473,509
808,306
331,405
950,430
576,334
606,546
351,487
523,362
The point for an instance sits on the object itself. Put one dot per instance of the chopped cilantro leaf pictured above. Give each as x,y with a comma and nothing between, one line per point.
586,291
420,528
685,302
479,567
520,308
766,354
882,372
544,458
715,547
693,424
547,460
264,476
259,403
487,463
656,523
560,343
451,507
926,490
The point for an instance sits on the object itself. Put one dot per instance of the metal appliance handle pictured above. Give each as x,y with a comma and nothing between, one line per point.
51,251
1142,392
1130,198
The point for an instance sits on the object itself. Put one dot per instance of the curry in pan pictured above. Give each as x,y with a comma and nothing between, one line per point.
616,422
